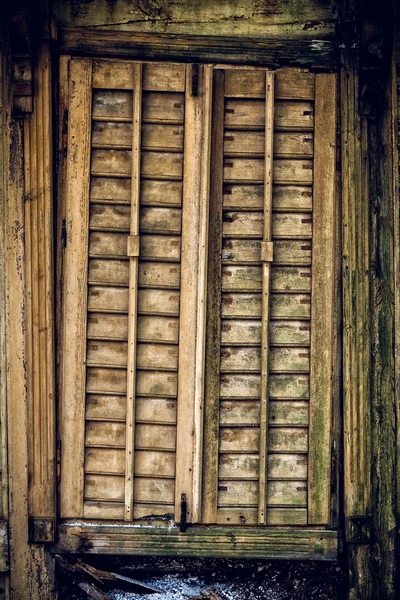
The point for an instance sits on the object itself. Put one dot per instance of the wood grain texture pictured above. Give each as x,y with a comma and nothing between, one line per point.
213,339
323,343
75,291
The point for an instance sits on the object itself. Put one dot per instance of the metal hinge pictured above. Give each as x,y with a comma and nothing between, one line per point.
58,462
195,79
64,234
358,530
183,522
42,530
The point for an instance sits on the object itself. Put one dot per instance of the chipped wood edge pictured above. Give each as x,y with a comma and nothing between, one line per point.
322,305
75,290
133,294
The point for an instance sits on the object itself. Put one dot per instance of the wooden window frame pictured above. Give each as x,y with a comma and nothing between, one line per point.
312,541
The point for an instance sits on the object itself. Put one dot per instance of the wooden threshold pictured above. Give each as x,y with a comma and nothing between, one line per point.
164,46
144,540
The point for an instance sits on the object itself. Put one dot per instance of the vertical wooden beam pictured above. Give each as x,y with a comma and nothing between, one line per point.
323,343
133,291
266,259
40,297
206,91
75,280
213,334
30,568
189,430
356,325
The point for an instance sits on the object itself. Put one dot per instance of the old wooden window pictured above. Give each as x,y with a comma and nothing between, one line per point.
198,302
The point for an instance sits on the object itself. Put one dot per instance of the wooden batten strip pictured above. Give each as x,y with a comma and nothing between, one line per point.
323,285
213,334
133,291
39,295
266,284
207,89
75,290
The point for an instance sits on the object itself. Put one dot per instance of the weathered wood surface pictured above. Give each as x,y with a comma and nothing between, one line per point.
247,50
245,543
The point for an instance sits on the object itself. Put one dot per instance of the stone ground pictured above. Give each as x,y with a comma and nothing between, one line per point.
222,579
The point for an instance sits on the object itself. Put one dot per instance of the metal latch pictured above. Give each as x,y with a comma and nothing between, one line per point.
359,530
183,523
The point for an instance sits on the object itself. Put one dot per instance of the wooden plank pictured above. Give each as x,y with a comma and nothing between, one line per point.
246,466
150,301
112,104
290,84
105,434
161,193
105,461
247,332
275,516
248,278
133,293
159,275
166,77
107,326
157,464
154,491
157,383
250,170
158,329
162,137
244,493
162,165
284,198
113,74
250,115
104,487
161,220
279,542
156,410
323,305
251,143
247,412
287,439
109,217
283,306
155,437
105,407
213,337
75,290
109,381
265,295
110,189
250,225
194,220
159,107
110,134
248,359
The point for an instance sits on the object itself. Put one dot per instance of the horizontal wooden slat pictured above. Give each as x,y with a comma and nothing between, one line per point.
250,170
112,299
152,247
160,464
111,162
240,386
247,412
250,225
106,353
288,413
248,332
105,434
157,356
107,245
150,301
161,165
106,216
248,278
109,134
250,114
286,439
158,302
104,460
110,327
157,437
162,137
249,516
153,383
252,143
160,220
160,193
288,306
248,359
159,275
289,387
154,490
159,107
280,466
250,83
239,439
103,510
293,171
157,329
112,104
245,493
168,77
141,511
110,189
112,381
105,407
156,410
108,272
251,197
160,247
104,487
112,74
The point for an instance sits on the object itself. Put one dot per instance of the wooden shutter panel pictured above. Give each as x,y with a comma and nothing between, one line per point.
258,404
136,195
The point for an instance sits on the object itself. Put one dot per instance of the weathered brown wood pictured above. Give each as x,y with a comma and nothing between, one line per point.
133,293
268,543
323,343
204,48
213,339
40,328
75,290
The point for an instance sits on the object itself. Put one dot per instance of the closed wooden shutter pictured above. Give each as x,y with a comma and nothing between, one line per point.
199,278
270,296
135,133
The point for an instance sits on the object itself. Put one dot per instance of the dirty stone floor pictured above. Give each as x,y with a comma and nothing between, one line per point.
221,579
